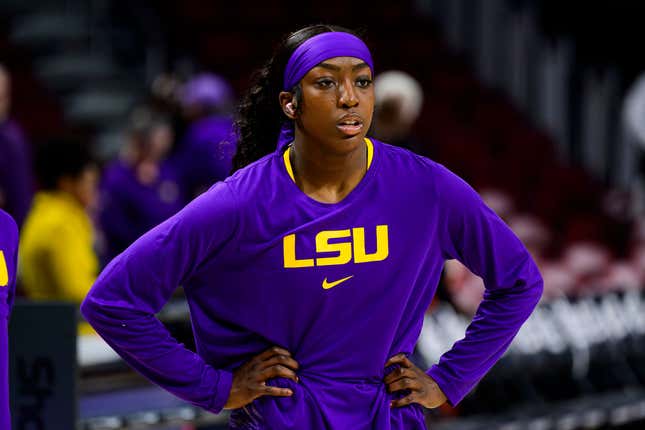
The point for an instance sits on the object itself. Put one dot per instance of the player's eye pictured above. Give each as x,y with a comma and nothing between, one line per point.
363,82
325,83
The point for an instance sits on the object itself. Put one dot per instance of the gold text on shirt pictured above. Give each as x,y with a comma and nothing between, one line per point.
351,247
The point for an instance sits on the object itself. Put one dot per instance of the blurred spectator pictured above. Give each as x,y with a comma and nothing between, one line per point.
637,251
206,151
639,231
533,234
633,157
589,264
558,281
638,263
164,99
141,189
164,91
16,175
57,259
622,276
399,99
500,202
466,289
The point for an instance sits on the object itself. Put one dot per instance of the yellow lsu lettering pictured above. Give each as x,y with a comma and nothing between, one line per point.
4,272
342,249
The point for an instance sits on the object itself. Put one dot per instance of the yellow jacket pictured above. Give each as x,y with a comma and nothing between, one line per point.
56,257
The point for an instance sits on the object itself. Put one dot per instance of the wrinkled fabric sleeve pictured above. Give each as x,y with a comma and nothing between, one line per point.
122,304
473,234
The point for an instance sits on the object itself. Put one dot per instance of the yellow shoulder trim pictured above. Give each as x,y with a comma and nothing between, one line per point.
370,152
287,163
4,272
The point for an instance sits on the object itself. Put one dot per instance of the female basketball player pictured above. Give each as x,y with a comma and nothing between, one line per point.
8,263
309,270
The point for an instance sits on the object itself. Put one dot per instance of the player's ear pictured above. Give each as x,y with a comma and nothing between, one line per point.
288,104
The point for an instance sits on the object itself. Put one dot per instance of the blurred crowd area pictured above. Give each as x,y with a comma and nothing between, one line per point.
115,114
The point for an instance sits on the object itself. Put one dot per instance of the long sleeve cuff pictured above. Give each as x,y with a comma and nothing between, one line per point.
224,383
450,389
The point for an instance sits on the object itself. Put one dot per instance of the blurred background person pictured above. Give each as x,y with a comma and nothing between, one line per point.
399,99
633,157
16,174
57,257
141,188
205,152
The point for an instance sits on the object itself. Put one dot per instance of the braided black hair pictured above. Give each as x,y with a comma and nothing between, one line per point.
259,115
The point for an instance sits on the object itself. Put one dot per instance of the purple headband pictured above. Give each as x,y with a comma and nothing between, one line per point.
320,48
314,51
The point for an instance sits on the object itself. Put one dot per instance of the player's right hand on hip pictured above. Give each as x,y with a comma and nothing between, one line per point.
249,380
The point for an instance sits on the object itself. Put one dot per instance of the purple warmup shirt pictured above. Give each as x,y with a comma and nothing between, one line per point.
342,286
8,262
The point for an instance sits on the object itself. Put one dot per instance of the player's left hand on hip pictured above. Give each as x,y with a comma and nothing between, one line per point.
423,389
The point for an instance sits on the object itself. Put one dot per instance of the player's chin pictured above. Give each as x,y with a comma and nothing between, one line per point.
346,145
350,139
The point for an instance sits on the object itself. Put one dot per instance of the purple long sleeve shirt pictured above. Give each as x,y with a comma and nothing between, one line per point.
343,286
8,263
